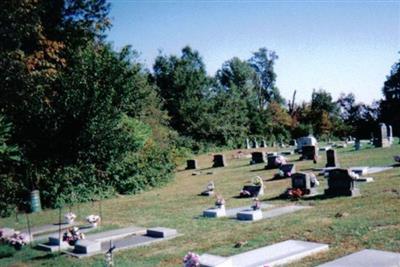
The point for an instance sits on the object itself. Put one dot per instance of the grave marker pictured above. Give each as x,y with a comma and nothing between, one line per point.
257,157
341,182
331,158
191,164
219,161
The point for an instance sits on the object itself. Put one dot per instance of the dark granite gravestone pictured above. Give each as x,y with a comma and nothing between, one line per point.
272,164
309,152
293,142
263,143
341,182
381,137
191,164
287,169
357,144
254,190
304,182
257,157
331,158
219,161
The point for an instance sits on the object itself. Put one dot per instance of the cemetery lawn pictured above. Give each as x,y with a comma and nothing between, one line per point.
346,224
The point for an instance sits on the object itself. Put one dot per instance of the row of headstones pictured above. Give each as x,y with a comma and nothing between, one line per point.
218,161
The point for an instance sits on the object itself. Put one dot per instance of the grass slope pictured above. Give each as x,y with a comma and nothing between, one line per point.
373,219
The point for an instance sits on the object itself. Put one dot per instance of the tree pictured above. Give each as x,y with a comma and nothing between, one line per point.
184,87
390,106
263,62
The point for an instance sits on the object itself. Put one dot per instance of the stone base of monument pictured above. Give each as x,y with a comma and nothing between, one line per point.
367,258
215,212
249,215
207,193
355,192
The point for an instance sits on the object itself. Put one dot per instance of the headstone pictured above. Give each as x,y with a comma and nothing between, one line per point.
381,139
287,170
306,182
357,144
341,182
331,158
309,152
253,191
191,164
215,212
263,143
257,157
287,153
161,232
219,161
293,143
367,258
249,215
209,189
255,143
272,162
84,246
390,134
247,143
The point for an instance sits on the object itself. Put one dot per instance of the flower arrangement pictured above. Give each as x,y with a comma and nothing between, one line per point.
70,217
279,160
18,240
72,235
256,205
257,181
220,201
93,219
191,260
295,193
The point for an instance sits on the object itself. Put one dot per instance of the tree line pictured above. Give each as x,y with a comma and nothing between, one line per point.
80,121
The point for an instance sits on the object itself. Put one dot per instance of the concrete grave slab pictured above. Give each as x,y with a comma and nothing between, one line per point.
208,260
87,246
273,255
131,241
6,232
367,258
48,228
282,211
232,212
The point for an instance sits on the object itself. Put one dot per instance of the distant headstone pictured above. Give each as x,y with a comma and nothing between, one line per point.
257,157
293,142
161,232
381,138
341,182
249,215
251,191
272,164
331,158
219,161
255,143
390,134
309,152
306,182
263,143
287,170
357,144
247,143
191,164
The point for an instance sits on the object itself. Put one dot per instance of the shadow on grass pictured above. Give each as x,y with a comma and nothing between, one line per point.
47,256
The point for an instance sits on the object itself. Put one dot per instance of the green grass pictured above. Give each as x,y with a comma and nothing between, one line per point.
373,219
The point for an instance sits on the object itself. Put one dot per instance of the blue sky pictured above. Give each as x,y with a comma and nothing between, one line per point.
341,46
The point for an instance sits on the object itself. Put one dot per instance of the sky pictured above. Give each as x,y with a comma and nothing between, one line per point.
340,46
